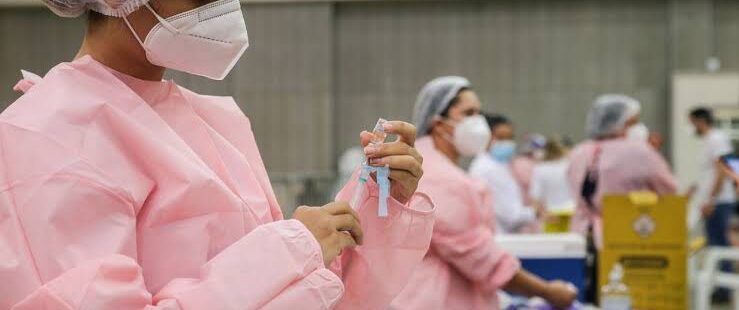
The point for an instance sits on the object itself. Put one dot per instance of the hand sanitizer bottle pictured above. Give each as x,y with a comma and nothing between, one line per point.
615,294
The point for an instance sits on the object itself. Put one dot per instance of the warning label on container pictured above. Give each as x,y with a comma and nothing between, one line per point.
648,236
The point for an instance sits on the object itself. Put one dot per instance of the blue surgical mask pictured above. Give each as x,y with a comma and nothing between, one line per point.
503,151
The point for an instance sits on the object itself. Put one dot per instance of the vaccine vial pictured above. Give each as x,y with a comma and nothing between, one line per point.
379,132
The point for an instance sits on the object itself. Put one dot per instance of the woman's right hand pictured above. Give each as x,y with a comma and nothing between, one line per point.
336,226
560,294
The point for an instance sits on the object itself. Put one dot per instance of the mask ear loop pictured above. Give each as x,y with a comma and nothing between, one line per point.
161,20
447,137
135,35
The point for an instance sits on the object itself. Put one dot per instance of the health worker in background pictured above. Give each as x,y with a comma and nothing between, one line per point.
636,130
124,191
608,163
464,268
549,186
714,193
494,168
522,165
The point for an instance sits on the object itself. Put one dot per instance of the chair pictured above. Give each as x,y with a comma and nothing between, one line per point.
711,277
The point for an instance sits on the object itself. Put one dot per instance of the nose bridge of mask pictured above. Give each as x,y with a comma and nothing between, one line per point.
187,22
506,143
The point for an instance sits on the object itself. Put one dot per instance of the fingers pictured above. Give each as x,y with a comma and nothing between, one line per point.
346,240
341,207
393,148
400,162
365,137
406,133
347,223
401,176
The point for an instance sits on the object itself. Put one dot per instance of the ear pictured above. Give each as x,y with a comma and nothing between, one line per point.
437,123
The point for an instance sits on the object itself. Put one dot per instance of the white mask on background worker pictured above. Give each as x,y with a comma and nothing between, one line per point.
638,132
471,135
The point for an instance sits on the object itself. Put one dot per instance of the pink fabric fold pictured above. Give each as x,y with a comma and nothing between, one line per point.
117,193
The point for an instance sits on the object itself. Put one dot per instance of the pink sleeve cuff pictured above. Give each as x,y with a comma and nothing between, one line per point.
506,269
300,243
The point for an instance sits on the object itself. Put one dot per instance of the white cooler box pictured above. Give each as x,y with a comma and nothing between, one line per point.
550,256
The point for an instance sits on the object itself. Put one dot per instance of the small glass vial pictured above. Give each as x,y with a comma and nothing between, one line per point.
379,132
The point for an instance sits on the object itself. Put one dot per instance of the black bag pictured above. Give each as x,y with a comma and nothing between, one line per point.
590,183
589,187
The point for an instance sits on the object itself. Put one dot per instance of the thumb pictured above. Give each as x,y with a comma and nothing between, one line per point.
365,137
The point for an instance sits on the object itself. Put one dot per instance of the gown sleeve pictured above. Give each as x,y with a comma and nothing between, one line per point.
463,238
662,181
70,243
375,272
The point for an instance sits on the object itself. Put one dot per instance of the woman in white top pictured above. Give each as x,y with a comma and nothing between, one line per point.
549,181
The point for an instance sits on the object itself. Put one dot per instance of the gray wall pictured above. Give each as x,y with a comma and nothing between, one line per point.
318,73
540,62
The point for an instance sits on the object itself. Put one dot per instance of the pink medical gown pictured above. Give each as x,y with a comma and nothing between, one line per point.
119,193
625,166
464,267
523,170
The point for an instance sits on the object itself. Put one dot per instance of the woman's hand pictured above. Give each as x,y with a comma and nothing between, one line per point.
560,294
402,158
336,226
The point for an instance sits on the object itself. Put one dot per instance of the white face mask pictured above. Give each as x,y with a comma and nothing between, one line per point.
471,135
206,41
638,132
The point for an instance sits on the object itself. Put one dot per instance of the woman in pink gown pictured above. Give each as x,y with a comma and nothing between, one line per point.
464,268
122,191
619,165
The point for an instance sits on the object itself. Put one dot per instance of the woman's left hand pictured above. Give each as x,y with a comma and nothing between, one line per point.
402,158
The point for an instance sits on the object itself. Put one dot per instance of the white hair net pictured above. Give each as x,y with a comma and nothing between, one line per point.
74,8
633,107
434,98
609,114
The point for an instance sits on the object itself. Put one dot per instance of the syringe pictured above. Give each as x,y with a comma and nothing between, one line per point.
382,173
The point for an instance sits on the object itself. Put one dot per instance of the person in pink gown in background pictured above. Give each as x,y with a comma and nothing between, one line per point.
614,164
523,166
123,191
464,268
531,152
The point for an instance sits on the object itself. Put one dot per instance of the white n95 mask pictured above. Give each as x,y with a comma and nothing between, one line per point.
638,132
206,41
471,135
